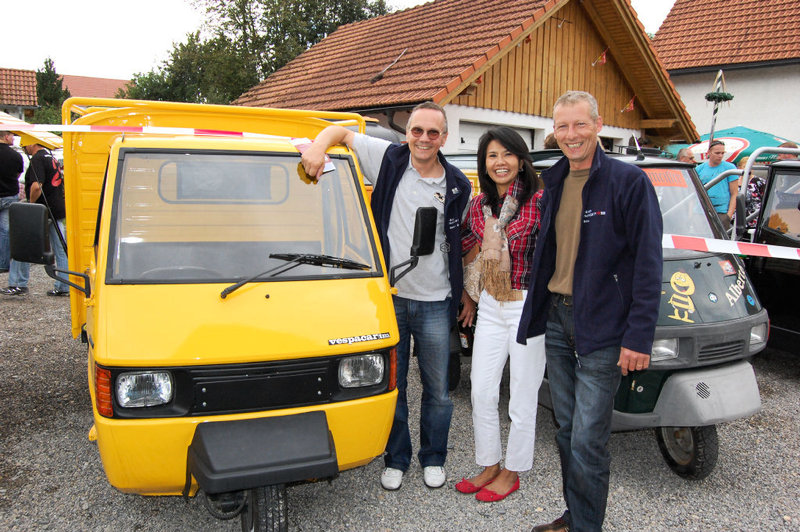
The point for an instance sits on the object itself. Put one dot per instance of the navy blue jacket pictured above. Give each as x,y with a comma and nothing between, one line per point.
617,281
394,163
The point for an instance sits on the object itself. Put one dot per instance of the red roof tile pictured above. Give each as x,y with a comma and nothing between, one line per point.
701,33
433,44
18,87
93,87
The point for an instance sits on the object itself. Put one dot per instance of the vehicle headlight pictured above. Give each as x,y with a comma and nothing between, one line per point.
758,337
145,388
361,370
664,349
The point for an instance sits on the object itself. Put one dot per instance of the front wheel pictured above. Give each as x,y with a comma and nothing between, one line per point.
266,510
691,452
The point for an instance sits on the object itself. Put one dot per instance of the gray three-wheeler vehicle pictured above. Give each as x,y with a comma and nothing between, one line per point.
710,324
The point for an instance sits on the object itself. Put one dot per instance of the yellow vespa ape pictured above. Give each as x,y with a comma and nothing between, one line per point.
238,315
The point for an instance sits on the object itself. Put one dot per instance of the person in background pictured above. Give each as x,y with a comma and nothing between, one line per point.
685,156
753,193
10,168
550,142
44,184
787,156
503,221
595,292
406,177
723,194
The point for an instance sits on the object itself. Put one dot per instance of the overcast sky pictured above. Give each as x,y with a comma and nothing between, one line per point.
115,39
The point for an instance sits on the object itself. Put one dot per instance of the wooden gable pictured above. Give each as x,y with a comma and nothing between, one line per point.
556,56
514,55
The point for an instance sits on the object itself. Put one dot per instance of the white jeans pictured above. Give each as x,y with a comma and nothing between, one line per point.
495,341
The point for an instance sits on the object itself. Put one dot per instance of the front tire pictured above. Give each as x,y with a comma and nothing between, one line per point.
691,452
266,510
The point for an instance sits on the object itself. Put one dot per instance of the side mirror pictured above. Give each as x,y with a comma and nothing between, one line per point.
423,243
424,232
29,239
741,218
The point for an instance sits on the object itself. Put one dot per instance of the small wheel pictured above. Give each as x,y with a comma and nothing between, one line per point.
180,272
266,510
691,452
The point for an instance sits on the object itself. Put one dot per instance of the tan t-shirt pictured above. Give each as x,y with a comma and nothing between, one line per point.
568,232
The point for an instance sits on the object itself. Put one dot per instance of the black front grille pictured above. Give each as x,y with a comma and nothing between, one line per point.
721,351
239,388
262,387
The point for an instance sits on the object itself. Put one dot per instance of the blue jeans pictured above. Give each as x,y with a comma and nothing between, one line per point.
582,389
429,323
5,256
19,272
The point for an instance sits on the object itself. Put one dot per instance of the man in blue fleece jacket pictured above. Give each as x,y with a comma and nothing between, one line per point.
595,290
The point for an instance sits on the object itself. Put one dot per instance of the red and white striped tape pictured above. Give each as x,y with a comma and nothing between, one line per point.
78,128
729,246
668,241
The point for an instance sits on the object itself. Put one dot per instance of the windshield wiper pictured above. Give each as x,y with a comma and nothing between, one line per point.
295,260
320,260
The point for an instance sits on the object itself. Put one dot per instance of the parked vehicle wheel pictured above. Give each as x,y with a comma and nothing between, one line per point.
267,510
691,452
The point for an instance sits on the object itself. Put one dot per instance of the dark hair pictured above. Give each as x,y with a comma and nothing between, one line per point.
512,141
715,143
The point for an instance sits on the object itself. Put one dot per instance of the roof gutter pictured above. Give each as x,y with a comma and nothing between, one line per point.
734,66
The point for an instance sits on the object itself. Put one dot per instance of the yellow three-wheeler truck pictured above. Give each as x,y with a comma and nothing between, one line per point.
238,314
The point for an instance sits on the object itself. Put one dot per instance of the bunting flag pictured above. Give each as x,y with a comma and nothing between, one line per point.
628,107
601,59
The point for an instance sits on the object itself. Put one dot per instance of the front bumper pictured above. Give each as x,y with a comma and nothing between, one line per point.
248,453
149,456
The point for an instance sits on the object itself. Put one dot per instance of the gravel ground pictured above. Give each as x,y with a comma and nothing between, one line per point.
51,477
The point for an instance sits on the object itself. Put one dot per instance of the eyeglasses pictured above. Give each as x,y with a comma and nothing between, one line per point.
433,134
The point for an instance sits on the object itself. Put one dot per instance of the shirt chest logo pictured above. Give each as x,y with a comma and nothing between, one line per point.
588,214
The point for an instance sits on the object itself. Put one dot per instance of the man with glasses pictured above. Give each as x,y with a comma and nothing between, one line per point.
406,177
10,168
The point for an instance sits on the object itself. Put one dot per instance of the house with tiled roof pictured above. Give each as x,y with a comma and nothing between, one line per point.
18,92
756,43
488,62
93,87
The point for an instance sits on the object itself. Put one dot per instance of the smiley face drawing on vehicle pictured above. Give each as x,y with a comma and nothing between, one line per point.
683,288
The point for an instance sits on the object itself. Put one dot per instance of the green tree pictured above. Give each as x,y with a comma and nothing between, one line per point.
249,39
211,71
50,93
275,31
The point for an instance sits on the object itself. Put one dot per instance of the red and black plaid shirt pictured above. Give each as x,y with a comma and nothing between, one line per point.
521,231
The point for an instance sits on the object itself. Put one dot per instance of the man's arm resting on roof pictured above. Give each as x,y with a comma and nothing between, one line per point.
314,157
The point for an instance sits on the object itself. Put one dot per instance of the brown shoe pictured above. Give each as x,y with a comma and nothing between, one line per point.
559,525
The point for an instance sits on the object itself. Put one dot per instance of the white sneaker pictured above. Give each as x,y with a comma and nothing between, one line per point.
391,478
434,476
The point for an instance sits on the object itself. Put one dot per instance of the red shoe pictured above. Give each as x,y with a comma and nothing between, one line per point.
486,495
465,486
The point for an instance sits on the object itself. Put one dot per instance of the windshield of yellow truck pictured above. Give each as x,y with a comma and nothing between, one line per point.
182,216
